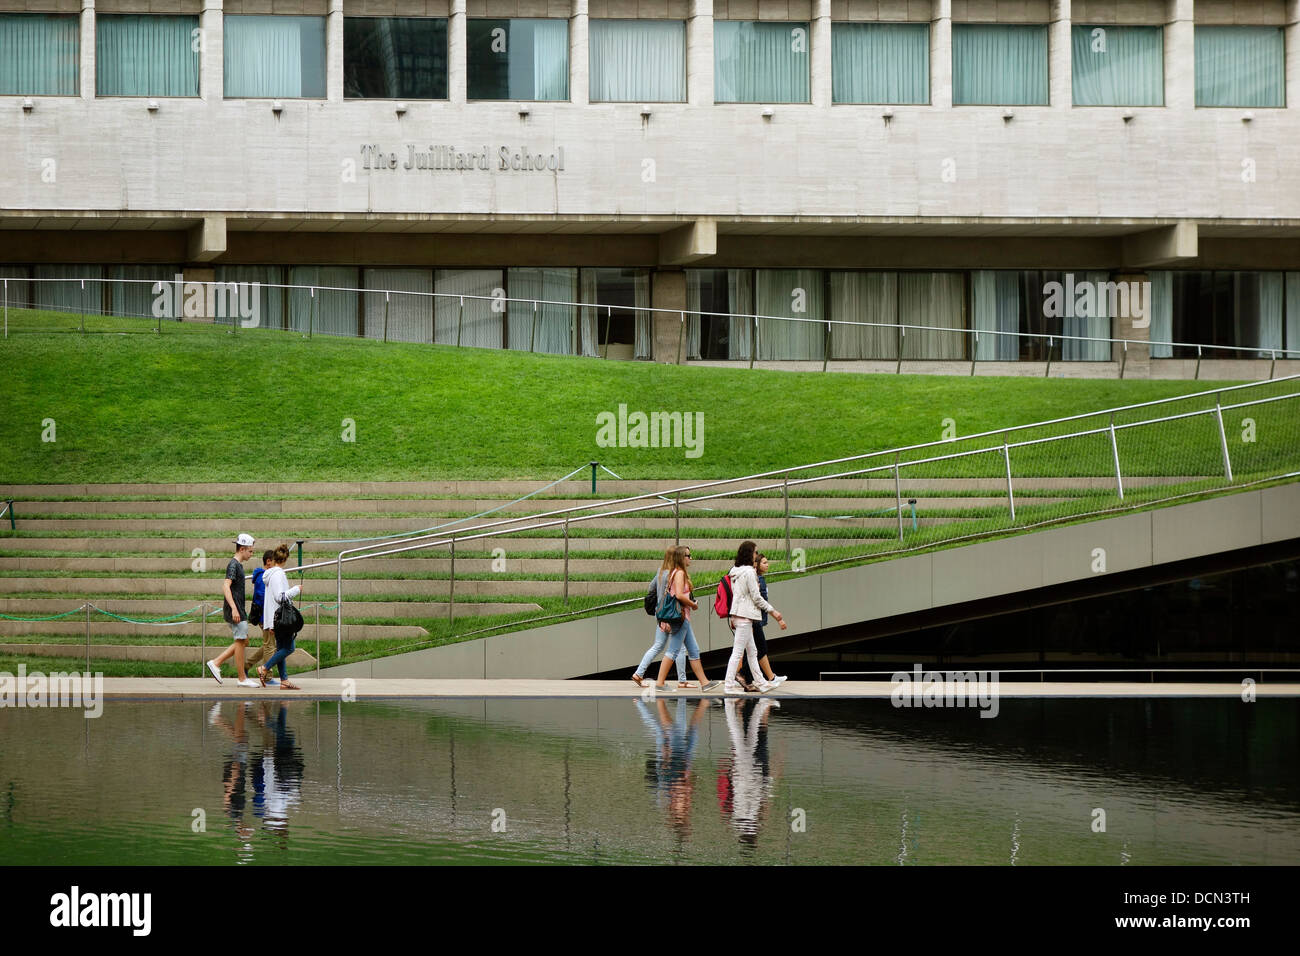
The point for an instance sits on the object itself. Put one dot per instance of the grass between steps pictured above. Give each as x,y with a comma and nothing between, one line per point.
432,412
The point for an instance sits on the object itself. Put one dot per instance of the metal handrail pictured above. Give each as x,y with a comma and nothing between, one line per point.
753,317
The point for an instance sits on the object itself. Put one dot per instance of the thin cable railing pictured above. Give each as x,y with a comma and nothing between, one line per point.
580,342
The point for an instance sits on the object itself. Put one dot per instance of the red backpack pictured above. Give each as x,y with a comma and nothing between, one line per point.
722,603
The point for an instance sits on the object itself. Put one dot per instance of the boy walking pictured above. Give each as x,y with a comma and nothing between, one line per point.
232,611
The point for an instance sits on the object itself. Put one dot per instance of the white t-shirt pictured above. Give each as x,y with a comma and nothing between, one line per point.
277,586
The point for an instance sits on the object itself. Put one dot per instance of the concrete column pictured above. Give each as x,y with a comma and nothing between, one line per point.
668,291
820,51
1060,56
699,53
334,52
457,53
1292,40
579,75
1180,56
1133,326
211,62
941,53
87,77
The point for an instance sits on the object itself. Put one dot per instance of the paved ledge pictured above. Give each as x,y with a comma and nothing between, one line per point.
321,688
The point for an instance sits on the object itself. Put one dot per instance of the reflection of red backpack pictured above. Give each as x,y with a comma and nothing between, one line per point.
722,603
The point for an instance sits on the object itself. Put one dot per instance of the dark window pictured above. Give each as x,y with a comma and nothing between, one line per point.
395,58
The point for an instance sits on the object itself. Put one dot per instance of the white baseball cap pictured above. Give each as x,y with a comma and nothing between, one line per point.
244,541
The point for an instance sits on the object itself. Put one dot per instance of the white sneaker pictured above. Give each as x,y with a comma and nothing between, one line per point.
249,682
733,689
214,670
214,714
765,686
778,679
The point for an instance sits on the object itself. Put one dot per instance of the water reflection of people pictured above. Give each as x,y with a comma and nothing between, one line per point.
275,768
749,793
669,772
234,770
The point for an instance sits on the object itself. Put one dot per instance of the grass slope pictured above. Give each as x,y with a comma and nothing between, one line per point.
198,403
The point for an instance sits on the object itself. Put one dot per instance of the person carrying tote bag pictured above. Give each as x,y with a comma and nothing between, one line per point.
277,593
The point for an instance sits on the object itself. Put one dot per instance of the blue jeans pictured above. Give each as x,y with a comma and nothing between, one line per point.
281,652
675,642
661,638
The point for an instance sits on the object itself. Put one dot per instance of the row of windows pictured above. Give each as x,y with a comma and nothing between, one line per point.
634,60
1237,310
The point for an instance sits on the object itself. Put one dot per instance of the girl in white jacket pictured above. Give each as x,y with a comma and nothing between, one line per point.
747,605
277,588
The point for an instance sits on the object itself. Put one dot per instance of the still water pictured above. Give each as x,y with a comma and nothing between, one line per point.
669,781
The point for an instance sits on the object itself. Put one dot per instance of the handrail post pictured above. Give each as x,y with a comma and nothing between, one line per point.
1123,360
318,637
203,636
311,314
451,589
1114,450
974,350
785,493
6,307
1048,372
385,316
1223,438
1272,365
10,509
532,330
460,323
593,476
826,348
681,336
898,496
677,520
1006,457
1197,374
88,639
902,334
753,343
566,562
338,611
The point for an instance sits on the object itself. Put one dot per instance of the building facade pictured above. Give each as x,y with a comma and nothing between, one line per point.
935,169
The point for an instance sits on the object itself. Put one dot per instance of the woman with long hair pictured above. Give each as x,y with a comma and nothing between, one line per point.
679,586
277,590
747,605
661,630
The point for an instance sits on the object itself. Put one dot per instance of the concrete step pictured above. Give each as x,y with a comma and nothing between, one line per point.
100,628
199,587
164,653
144,607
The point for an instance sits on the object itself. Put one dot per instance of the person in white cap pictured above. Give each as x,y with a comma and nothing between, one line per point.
232,609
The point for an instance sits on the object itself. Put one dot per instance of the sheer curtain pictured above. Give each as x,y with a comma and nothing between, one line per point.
67,293
1162,313
760,62
880,62
1240,66
864,297
638,60
145,56
136,298
1096,325
270,298
555,324
550,39
1127,71
263,56
644,320
1292,314
999,65
336,312
39,54
692,314
996,308
933,299
590,317
740,296
480,326
1259,310
776,292
16,293
410,317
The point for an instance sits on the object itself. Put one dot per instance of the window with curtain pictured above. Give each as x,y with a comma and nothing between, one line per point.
517,59
1117,66
395,58
16,291
725,292
880,62
542,326
131,288
638,61
40,54
1292,294
331,311
871,300
796,294
1240,66
934,300
997,64
146,56
61,289
267,283
995,314
274,56
400,318
760,61
1243,309
621,293
481,322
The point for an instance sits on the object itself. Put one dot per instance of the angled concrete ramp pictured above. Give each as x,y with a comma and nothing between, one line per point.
815,604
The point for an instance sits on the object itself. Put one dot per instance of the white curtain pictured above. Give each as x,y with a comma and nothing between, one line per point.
1162,313
145,56
644,320
1118,66
545,328
781,292
1240,66
869,297
633,60
996,308
16,293
1267,318
999,65
880,62
932,299
550,58
39,54
692,314
263,55
410,317
479,326
1293,314
1096,325
335,312
760,62
740,296
68,294
590,329
136,298
271,298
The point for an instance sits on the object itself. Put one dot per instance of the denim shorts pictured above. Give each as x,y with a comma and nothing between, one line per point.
238,630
